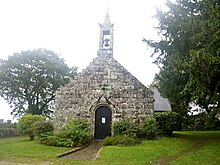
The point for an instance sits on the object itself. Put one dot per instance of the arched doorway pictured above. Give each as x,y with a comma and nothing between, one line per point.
103,119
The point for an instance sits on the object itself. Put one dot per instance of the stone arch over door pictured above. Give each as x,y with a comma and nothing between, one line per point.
103,120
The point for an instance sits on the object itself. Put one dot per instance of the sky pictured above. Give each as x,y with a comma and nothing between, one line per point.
71,29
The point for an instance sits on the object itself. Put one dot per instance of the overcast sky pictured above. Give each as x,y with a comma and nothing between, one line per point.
71,28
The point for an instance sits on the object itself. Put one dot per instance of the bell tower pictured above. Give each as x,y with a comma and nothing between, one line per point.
106,37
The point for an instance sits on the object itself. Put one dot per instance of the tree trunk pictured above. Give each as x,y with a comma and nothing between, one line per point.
31,136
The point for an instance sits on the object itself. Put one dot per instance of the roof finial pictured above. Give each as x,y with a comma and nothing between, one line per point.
107,10
107,20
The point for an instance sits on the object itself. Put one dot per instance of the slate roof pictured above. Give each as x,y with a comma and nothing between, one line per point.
160,104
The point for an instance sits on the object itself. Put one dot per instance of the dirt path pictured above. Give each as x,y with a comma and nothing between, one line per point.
168,159
88,153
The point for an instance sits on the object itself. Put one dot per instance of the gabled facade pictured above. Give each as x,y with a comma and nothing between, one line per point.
104,92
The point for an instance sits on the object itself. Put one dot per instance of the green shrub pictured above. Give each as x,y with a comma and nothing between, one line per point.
42,127
8,125
150,128
8,130
205,121
75,133
120,140
49,139
168,122
26,124
125,127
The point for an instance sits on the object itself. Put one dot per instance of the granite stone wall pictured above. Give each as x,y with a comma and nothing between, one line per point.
104,82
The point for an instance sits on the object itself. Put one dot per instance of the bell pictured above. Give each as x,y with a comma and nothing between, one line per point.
107,45
106,42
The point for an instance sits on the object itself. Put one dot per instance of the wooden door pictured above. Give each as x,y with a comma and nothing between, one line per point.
103,119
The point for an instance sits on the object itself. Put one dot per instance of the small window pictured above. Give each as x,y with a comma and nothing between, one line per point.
106,32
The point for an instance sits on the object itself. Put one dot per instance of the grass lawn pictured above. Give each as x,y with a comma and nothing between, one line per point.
183,148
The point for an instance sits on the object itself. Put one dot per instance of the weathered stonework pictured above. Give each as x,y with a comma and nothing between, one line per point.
105,82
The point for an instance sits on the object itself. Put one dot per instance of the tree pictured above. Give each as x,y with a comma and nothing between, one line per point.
26,124
29,80
188,53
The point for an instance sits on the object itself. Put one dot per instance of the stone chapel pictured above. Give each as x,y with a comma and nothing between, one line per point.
104,92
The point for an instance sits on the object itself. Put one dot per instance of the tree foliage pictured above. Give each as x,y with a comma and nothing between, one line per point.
188,53
29,79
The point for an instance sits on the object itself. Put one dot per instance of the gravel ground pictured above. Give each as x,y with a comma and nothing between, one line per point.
88,153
